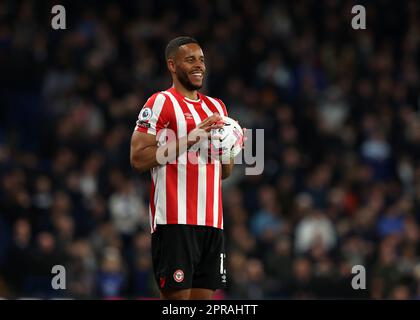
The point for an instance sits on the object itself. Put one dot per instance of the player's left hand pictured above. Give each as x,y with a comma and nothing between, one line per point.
244,137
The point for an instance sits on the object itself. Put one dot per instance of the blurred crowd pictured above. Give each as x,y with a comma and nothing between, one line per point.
340,109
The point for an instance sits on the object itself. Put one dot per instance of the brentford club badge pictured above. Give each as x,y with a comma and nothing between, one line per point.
179,275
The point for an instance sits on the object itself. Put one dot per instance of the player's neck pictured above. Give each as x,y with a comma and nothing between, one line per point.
193,95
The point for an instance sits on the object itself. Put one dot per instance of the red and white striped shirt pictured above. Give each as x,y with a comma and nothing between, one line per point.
182,192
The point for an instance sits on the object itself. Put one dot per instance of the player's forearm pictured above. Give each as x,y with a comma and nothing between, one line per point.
152,156
144,159
227,169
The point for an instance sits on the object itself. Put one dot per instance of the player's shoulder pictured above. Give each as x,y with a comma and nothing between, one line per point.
158,99
156,95
216,102
213,100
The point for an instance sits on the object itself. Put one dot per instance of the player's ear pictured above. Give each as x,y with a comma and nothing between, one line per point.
171,65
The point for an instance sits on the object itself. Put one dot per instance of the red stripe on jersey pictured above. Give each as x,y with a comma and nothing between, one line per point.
210,195
219,221
172,193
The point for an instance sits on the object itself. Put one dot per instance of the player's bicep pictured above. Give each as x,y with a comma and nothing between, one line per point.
142,140
141,144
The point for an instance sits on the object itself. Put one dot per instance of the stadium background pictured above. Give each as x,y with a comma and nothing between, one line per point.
340,109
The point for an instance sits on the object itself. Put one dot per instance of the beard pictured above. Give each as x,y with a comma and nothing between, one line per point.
185,81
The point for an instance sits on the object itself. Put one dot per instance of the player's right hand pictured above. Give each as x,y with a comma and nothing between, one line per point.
212,122
203,129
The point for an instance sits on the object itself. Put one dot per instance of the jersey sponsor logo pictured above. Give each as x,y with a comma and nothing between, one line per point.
145,114
179,275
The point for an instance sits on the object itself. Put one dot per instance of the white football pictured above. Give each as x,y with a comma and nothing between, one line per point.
227,141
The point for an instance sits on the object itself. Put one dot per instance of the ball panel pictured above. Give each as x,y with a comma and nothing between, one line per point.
226,141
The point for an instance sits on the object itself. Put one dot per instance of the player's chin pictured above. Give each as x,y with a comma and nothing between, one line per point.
196,83
199,86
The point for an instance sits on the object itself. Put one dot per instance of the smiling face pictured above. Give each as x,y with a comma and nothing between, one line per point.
188,66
